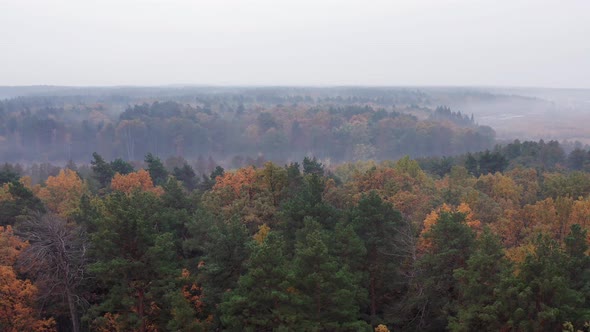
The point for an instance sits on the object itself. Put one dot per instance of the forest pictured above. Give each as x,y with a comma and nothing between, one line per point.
296,210
231,127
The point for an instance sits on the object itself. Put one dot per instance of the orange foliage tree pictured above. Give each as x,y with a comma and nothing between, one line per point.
404,184
139,180
62,193
253,194
240,181
17,297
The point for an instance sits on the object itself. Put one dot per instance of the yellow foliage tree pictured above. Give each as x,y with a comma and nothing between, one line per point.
262,233
580,214
381,328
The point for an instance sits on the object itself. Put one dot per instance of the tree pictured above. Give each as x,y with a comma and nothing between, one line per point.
312,166
492,162
471,165
189,310
328,289
451,246
57,258
210,181
307,202
131,182
156,169
135,262
103,171
226,251
478,287
121,166
240,181
62,193
578,267
262,300
375,222
187,176
550,300
577,159
22,203
274,179
17,296
8,175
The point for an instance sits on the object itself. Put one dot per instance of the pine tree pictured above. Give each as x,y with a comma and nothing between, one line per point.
451,243
375,222
578,267
135,261
158,172
328,288
121,166
547,297
23,203
187,176
103,171
478,282
263,299
226,251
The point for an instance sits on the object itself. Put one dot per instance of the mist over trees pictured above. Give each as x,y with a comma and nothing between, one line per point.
279,124
285,210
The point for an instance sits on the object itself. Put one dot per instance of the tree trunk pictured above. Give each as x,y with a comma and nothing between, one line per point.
372,282
140,310
73,311
373,301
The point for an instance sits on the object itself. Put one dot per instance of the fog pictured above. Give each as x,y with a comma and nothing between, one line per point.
262,42
237,126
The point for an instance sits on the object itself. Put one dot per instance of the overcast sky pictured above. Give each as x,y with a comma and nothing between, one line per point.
540,43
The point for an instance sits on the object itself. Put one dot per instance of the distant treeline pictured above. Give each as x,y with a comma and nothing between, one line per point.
232,128
543,156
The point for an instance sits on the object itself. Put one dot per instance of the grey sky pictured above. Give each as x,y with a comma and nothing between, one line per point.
301,42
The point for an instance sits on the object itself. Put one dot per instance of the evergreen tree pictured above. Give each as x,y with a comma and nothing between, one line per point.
479,308
23,203
375,222
578,267
135,262
209,181
471,165
187,176
328,289
312,166
103,171
308,202
548,299
157,171
121,166
451,243
264,298
226,251
8,175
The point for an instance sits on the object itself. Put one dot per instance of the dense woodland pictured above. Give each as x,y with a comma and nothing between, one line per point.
218,228
495,240
231,127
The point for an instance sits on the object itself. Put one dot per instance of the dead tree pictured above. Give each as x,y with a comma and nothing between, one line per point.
56,257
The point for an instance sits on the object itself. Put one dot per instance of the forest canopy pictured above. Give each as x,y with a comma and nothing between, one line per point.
269,212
